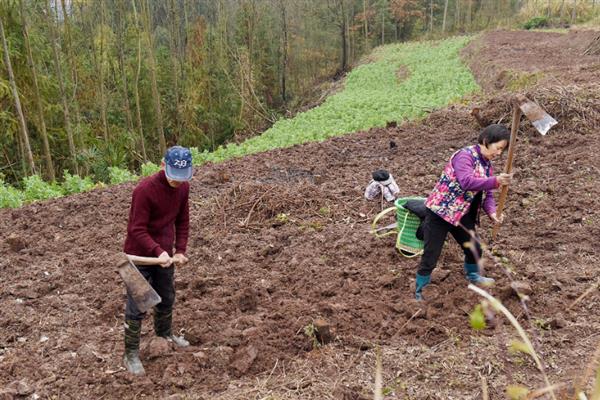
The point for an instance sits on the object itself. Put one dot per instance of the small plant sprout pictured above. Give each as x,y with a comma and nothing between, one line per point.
282,218
310,331
325,211
477,319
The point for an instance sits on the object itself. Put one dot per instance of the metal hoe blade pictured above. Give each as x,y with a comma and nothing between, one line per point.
536,114
144,296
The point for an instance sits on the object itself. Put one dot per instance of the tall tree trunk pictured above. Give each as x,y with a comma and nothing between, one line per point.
173,42
457,16
470,14
22,157
61,85
101,65
250,42
136,86
445,16
351,45
13,86
344,37
431,16
212,55
383,23
574,13
284,50
120,44
244,65
38,99
155,93
74,76
180,33
186,15
366,24
186,34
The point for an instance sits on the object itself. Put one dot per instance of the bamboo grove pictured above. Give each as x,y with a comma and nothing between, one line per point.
86,85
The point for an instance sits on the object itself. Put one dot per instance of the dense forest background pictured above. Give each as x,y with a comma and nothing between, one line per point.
89,84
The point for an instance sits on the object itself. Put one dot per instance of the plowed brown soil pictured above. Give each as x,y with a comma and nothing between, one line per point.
281,239
512,59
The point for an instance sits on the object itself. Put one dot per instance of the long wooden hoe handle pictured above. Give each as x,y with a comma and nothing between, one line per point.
509,162
139,260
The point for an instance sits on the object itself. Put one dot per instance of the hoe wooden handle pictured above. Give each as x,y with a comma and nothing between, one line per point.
509,162
139,260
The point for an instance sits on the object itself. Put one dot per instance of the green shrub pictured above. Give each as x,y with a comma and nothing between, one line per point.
76,184
195,154
199,158
9,196
34,188
118,175
536,22
149,168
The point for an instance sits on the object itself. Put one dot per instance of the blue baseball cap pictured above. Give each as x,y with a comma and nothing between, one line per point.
178,164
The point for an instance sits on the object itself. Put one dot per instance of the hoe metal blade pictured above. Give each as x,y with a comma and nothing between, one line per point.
540,119
142,293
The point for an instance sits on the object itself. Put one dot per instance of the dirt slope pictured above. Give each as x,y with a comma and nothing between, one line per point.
282,238
513,59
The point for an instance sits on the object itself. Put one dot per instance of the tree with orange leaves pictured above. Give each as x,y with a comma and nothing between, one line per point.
406,13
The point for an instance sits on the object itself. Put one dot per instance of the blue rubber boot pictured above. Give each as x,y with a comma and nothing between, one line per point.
422,281
472,271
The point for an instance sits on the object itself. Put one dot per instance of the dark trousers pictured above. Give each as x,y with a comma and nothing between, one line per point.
435,230
163,281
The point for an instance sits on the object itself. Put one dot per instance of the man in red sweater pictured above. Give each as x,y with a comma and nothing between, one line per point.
158,227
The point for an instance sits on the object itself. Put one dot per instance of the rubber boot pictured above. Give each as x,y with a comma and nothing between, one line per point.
472,271
131,358
422,281
162,327
179,341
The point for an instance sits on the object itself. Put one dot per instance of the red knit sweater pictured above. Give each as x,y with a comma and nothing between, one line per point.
159,218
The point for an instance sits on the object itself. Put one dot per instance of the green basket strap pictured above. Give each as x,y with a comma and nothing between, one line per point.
402,251
402,229
376,220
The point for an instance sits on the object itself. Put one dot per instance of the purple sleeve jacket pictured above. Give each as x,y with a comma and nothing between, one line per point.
464,167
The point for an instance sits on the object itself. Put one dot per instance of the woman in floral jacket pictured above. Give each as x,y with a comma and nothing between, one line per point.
465,186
